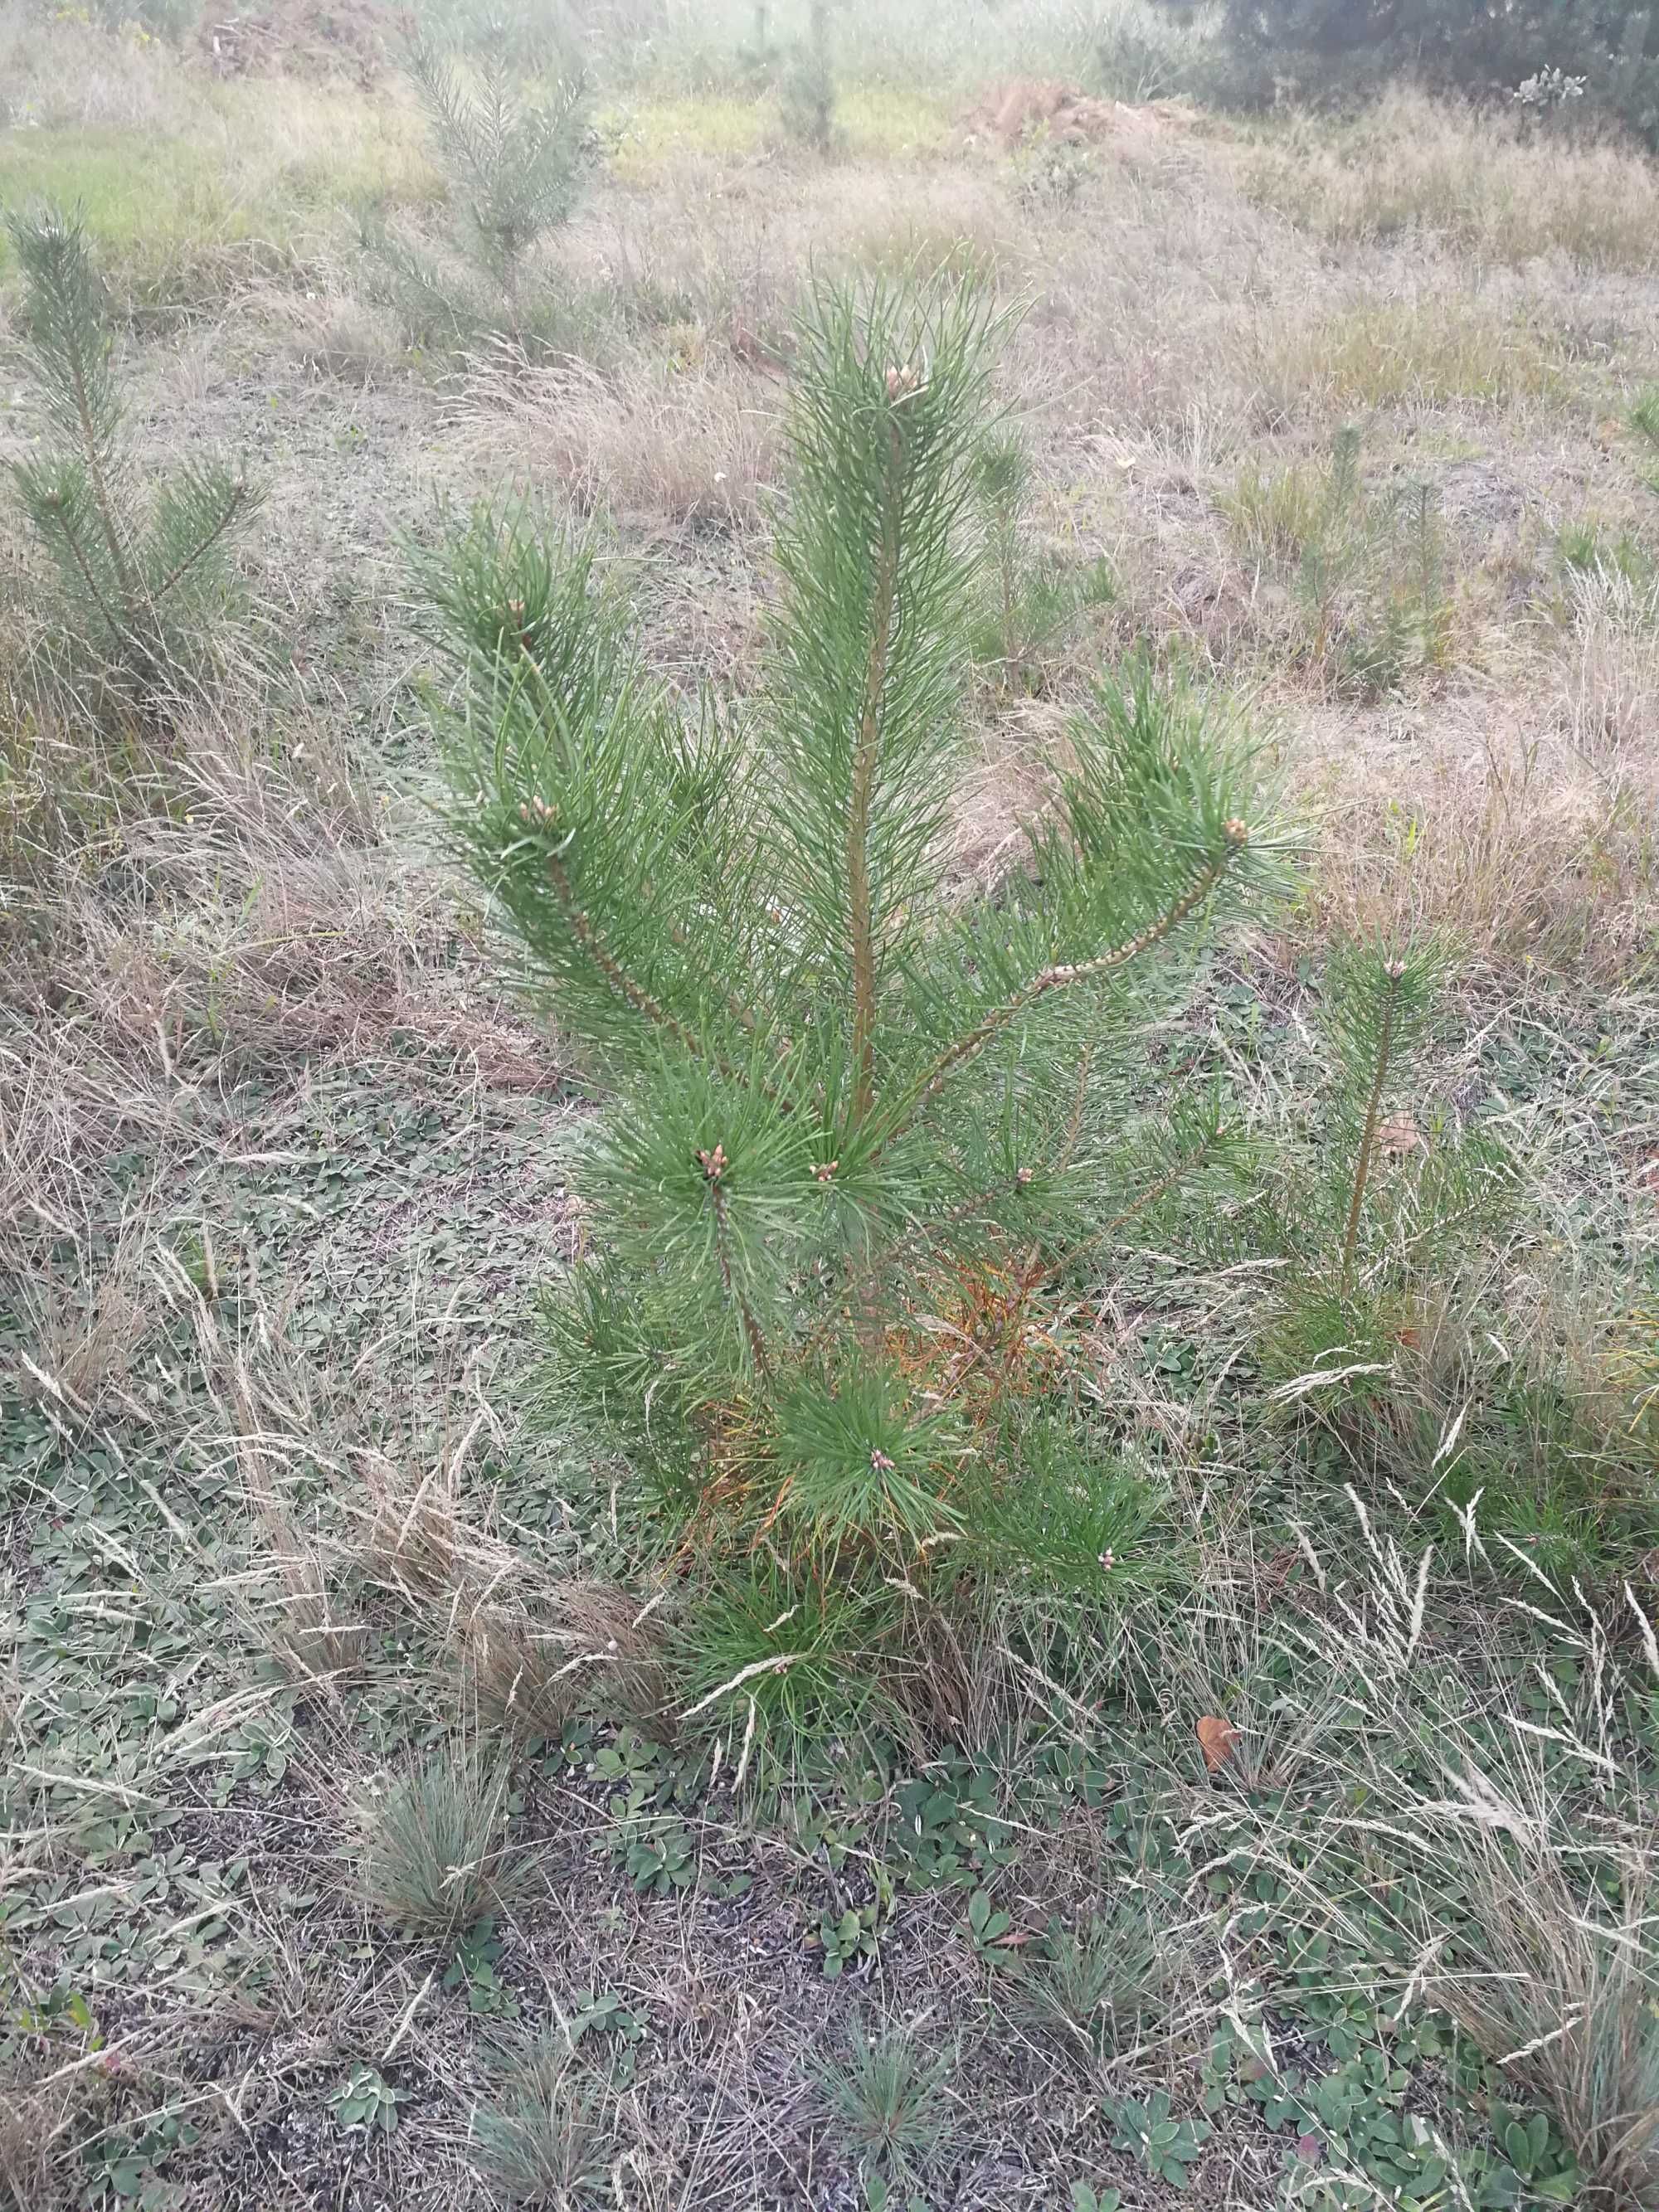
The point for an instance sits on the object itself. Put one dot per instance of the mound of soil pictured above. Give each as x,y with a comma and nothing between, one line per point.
1013,114
316,39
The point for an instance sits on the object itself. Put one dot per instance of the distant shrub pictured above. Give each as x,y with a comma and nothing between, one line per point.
1545,56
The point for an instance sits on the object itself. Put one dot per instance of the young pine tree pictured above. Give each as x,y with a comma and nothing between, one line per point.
513,162
806,83
1029,597
1383,1230
145,585
861,1140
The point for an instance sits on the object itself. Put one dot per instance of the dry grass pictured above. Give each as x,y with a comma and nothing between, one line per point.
1485,184
1561,1997
656,446
1410,351
531,1666
85,1338
1607,701
1526,856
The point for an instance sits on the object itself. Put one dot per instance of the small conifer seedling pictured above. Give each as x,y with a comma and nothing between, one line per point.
512,160
864,1141
144,580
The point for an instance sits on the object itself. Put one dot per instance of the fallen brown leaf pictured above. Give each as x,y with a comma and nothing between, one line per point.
1397,1133
1216,1739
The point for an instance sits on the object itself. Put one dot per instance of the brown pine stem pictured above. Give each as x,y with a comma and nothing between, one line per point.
866,760
1362,1163
752,1328
633,994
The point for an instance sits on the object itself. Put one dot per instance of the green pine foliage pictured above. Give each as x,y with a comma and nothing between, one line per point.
1644,420
1388,1206
805,81
1031,598
862,1141
513,156
146,594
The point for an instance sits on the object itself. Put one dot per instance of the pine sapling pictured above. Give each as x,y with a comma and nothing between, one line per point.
513,163
1338,546
1644,420
807,83
859,1132
144,578
1029,598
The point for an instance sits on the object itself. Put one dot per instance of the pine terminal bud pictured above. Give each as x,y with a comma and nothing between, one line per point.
880,1464
1236,832
824,1171
1023,1176
713,1164
901,382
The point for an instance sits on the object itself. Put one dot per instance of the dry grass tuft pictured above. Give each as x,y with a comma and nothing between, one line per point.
31,2167
530,1667
651,447
413,1541
1525,855
297,1620
1560,1996
433,1857
1482,181
1607,702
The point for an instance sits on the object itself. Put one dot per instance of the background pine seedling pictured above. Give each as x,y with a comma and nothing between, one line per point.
806,81
145,590
1367,569
1030,596
1644,420
1392,1203
1405,1319
859,1138
511,154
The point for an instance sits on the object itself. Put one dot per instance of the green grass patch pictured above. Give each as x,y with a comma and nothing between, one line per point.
892,119
646,135
142,196
874,120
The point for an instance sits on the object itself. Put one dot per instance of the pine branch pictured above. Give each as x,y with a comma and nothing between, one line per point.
867,654
633,994
1059,974
713,1164
234,498
70,344
52,507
